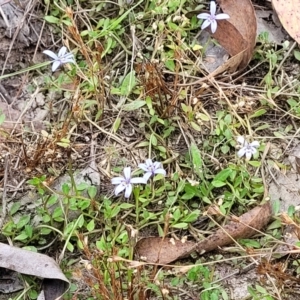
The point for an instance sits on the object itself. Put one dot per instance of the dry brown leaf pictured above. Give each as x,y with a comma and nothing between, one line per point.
256,218
231,65
165,250
36,264
288,12
230,38
161,250
234,44
243,18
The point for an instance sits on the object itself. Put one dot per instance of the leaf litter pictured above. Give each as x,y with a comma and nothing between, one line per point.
166,250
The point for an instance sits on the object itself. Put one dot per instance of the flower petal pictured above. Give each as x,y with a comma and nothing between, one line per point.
68,60
127,173
55,65
222,16
128,190
137,180
205,24
147,176
149,162
254,144
144,167
203,16
213,26
157,165
213,7
119,189
51,54
62,51
117,180
160,171
241,152
241,140
248,155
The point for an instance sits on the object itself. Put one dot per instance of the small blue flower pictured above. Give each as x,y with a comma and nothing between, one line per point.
61,58
248,149
125,183
211,18
151,168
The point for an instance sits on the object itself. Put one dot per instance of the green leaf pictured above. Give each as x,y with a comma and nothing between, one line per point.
64,143
57,213
45,231
218,183
52,200
134,105
195,126
223,175
80,221
180,226
65,188
225,149
192,216
2,117
14,208
153,140
254,163
203,117
196,156
258,113
250,243
279,135
70,247
297,54
23,221
82,186
116,125
90,226
126,205
143,144
274,225
92,191
291,210
128,84
21,237
170,65
28,230
52,20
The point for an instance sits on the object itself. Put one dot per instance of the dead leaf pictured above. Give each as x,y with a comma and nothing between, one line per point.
230,38
35,264
165,250
243,18
242,227
232,43
161,250
288,12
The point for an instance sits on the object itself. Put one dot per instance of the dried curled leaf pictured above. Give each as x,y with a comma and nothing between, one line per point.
165,250
243,227
161,250
288,12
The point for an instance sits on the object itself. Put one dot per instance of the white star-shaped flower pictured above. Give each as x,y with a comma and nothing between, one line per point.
61,58
248,149
125,183
211,18
151,168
